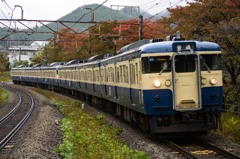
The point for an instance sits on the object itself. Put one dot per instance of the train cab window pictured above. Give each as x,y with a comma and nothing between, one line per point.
185,63
156,64
210,62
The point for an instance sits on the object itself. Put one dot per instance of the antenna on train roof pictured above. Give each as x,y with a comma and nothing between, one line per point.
175,37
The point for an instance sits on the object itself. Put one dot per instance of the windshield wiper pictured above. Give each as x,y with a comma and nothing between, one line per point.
164,67
204,63
209,71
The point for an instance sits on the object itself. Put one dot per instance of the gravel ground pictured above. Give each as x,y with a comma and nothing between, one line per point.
39,135
42,134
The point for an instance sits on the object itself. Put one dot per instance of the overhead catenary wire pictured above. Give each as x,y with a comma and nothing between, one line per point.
4,14
172,5
163,1
9,33
90,11
151,7
7,5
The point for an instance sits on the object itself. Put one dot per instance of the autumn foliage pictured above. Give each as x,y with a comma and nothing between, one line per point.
212,20
105,38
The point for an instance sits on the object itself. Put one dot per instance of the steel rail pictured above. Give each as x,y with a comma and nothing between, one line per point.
221,151
182,150
13,110
19,125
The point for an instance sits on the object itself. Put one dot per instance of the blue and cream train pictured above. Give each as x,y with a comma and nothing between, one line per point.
172,86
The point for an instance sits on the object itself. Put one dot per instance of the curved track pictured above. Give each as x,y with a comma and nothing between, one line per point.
11,123
198,149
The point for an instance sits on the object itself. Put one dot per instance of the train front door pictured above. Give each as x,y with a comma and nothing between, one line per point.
186,82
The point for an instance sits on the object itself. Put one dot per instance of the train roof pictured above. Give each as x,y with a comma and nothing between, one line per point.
169,46
20,68
74,61
158,46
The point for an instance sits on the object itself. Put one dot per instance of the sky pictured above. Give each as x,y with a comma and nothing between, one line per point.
55,9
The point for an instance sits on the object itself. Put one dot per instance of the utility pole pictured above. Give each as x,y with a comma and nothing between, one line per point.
140,27
89,34
20,54
45,55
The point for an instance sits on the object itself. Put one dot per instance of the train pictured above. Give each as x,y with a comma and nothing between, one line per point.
171,86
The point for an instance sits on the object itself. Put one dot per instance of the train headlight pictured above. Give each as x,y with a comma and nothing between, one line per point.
157,83
213,81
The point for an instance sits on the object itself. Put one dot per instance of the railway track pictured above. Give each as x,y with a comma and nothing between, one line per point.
198,149
11,123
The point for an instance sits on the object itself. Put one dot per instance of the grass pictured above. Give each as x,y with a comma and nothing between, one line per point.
3,97
88,136
230,126
4,77
231,118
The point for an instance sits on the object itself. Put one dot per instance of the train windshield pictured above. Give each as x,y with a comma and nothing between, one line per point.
210,62
156,64
185,63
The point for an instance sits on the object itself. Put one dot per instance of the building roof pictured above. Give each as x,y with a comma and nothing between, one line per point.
24,48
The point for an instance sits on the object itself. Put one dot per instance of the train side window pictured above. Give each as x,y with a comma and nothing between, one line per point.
137,76
94,75
102,75
132,78
125,74
121,74
113,74
97,75
117,74
106,74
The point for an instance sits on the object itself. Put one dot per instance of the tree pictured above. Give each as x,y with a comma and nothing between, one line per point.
4,64
129,31
215,20
18,63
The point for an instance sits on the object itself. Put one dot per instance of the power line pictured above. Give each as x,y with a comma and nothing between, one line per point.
151,7
7,5
90,11
3,14
173,5
147,3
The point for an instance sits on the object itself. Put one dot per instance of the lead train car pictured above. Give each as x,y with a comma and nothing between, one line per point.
162,86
